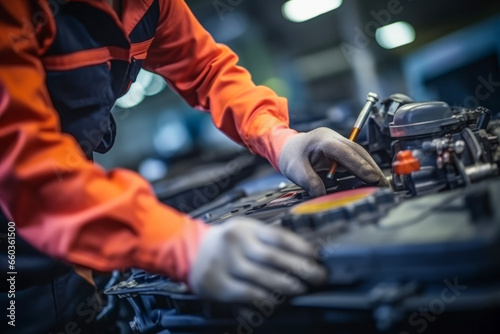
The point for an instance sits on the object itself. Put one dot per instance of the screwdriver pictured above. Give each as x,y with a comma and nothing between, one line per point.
371,99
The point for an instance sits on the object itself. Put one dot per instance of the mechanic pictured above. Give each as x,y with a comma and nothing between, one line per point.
64,64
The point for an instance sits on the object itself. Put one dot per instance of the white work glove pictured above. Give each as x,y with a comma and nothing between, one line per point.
245,260
305,154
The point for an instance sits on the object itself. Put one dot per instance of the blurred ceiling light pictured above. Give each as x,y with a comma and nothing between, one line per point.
172,136
156,85
303,10
134,96
395,34
146,84
153,169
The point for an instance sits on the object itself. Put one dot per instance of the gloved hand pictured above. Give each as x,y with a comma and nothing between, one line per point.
305,154
245,260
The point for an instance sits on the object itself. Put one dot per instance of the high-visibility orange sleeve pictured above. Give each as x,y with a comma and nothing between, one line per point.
206,75
62,204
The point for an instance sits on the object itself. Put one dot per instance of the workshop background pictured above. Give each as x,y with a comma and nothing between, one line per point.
324,57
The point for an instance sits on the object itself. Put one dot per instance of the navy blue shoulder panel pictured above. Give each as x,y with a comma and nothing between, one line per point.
143,31
83,97
146,28
81,27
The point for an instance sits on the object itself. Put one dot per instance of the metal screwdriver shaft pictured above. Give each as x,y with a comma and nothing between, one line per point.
371,99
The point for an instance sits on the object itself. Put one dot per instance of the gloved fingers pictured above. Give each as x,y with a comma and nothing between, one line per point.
304,175
358,148
294,163
361,151
311,272
364,154
358,163
280,237
235,264
268,278
236,290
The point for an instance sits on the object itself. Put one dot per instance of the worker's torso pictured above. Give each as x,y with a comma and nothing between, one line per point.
92,61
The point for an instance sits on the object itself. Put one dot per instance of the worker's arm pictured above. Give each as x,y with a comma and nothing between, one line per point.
62,204
206,75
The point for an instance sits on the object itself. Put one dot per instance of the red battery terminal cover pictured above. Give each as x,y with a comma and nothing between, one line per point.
405,163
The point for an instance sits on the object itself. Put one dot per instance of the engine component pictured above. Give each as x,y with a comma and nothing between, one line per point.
393,256
384,269
379,137
451,145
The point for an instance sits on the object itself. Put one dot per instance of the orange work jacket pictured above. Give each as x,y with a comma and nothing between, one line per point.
72,209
